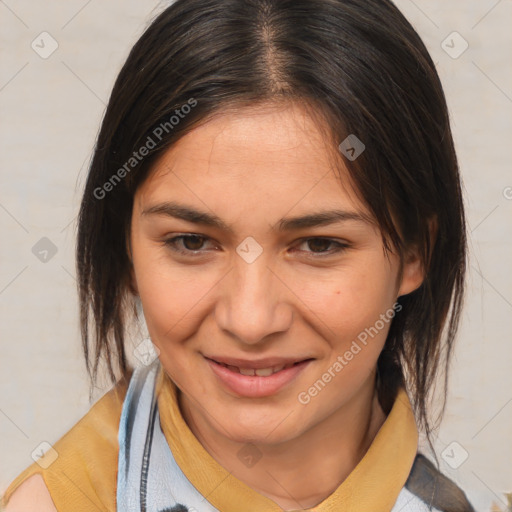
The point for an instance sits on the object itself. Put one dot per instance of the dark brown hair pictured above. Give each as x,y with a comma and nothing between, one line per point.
356,64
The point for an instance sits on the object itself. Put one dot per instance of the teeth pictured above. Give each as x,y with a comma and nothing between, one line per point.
264,372
260,372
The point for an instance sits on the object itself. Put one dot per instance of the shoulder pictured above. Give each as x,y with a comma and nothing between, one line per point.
81,466
32,494
433,488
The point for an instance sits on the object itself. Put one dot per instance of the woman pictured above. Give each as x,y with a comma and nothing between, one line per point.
275,191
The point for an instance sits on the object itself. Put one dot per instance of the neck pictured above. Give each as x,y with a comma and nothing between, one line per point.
299,473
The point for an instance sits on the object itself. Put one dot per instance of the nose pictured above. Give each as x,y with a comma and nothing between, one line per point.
254,302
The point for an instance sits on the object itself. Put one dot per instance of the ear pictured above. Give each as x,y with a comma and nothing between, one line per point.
132,281
413,273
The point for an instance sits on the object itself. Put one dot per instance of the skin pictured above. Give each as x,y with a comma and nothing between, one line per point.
32,494
251,168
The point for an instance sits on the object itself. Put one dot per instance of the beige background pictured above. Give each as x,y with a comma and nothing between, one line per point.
50,112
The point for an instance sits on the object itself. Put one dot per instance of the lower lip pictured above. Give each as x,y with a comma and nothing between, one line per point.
254,386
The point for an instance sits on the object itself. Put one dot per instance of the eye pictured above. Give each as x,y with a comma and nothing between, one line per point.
189,245
319,246
193,244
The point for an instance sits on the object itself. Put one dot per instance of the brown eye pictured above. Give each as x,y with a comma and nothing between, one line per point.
318,244
193,242
191,245
319,247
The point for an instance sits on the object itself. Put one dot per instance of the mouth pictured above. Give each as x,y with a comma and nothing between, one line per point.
260,372
263,381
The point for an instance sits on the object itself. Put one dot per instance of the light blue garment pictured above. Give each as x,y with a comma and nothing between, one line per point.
149,479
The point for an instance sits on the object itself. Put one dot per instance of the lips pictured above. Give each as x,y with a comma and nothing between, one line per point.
260,372
261,368
258,382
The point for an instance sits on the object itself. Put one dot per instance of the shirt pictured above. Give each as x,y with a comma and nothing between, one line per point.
85,472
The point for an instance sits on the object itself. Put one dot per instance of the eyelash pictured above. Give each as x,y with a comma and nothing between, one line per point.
171,243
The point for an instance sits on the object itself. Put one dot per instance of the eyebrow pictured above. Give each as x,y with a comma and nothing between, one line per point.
314,219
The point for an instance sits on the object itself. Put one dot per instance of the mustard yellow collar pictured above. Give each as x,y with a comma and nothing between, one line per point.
374,484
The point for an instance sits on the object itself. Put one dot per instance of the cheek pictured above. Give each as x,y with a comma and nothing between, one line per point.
171,306
172,296
355,316
353,311
350,300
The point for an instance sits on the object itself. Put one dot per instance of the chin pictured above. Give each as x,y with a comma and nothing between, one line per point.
259,437
271,430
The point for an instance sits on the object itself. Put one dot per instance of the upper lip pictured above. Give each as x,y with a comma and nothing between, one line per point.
255,364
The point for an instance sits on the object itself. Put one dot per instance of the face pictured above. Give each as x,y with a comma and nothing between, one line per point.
233,263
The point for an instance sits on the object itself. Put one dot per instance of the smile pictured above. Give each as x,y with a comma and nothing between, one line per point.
256,382
260,372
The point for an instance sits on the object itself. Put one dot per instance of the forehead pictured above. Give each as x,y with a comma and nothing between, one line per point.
254,157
